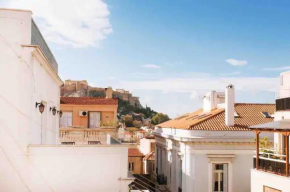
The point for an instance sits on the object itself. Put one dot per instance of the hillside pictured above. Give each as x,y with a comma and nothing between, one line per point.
127,102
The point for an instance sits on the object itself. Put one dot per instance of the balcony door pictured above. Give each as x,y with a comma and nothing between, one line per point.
94,119
220,177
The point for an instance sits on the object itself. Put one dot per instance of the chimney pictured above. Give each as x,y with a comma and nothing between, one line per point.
209,101
230,105
109,93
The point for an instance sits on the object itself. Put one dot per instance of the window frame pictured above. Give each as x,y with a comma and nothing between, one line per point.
63,114
221,159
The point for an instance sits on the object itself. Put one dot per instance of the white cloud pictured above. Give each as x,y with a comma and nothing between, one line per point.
235,62
69,22
193,95
284,68
193,84
151,66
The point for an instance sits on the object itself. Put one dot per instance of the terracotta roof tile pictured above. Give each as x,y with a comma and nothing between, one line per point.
249,114
87,101
134,152
150,156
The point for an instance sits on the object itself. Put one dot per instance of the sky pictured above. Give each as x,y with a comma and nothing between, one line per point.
167,52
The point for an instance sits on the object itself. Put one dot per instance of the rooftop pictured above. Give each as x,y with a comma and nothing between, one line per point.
87,101
247,114
134,152
150,156
282,125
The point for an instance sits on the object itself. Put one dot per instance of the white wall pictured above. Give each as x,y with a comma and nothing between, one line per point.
82,168
25,80
259,179
284,85
195,158
145,145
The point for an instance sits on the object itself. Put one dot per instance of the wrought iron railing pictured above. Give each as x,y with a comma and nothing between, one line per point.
161,179
271,165
37,39
283,104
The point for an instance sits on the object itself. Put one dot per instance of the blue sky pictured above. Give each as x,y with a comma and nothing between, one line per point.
169,53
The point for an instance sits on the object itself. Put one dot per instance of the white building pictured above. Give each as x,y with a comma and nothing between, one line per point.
211,149
31,158
270,172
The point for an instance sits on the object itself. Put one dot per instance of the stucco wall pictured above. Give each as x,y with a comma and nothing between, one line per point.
108,113
259,179
138,164
79,168
25,79
196,163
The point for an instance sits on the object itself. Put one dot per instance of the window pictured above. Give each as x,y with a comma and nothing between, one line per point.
236,114
180,176
66,119
220,177
266,114
94,119
131,166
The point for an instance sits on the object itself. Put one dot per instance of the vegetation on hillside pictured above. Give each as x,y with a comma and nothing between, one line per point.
159,118
124,108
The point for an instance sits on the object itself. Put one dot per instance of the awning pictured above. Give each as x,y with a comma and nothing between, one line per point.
282,125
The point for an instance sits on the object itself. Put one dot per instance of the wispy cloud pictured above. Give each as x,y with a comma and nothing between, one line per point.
111,78
151,66
72,23
236,62
193,84
283,68
231,73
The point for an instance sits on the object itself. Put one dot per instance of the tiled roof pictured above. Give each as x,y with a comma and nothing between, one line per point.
87,101
150,156
249,114
134,152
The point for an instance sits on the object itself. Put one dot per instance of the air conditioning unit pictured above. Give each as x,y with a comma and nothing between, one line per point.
83,113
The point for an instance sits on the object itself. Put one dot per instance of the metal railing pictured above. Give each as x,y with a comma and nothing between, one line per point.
283,104
37,39
271,161
161,179
271,165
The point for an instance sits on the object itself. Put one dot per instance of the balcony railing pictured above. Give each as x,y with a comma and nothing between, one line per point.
271,162
87,137
161,179
283,104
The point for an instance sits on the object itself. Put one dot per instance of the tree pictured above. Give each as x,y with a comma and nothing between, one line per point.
159,118
137,124
128,120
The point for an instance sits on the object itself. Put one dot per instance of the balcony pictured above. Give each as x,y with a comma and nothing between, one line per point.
72,136
271,162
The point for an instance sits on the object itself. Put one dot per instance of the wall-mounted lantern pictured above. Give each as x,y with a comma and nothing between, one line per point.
60,113
53,110
40,106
